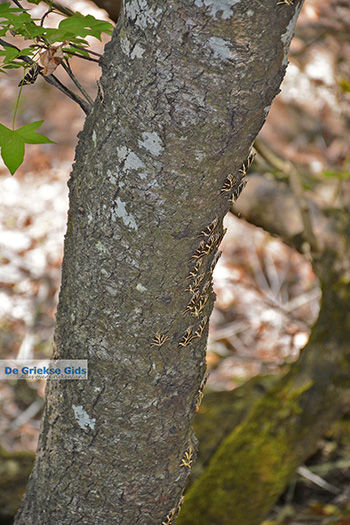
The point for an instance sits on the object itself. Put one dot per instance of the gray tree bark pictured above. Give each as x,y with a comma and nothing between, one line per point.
186,87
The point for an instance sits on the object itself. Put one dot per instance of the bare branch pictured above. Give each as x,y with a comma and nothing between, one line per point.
289,169
62,9
87,50
67,68
53,80
18,4
81,56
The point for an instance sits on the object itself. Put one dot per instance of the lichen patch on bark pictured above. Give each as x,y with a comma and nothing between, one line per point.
83,419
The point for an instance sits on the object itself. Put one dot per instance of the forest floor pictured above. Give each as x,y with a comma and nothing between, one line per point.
267,294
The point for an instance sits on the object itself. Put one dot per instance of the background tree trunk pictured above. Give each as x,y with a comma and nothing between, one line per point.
187,86
111,6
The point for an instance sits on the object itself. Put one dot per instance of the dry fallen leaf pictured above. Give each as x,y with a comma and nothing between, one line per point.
51,58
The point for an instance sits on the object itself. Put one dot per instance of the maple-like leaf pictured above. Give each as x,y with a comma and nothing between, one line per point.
12,143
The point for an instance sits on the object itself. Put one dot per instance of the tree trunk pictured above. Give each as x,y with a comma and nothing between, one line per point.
186,88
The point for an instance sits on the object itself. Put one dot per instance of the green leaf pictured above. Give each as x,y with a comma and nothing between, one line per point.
27,133
83,26
74,50
31,31
27,51
13,65
9,53
18,20
5,9
12,143
12,152
58,35
5,133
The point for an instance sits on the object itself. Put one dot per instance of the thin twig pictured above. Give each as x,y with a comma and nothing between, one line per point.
87,50
51,79
7,44
28,414
65,50
64,10
317,480
44,16
302,300
289,169
67,68
80,56
18,4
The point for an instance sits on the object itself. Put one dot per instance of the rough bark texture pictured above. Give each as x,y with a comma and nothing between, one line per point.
187,86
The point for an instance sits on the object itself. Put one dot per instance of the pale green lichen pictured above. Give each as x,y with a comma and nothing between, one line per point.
83,419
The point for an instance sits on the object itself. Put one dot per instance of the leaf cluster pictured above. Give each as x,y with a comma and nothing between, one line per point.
44,49
71,30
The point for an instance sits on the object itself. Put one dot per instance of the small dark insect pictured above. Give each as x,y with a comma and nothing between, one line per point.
197,280
245,167
173,513
195,269
31,76
192,288
238,190
188,458
201,327
214,241
210,245
170,517
198,307
187,337
200,391
229,183
159,339
200,252
209,229
100,91
214,262
206,287
191,305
